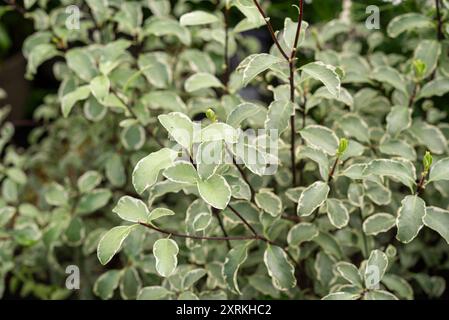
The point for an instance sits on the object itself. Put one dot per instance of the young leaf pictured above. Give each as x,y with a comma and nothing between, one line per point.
234,259
409,218
111,242
131,209
100,87
146,171
165,252
312,197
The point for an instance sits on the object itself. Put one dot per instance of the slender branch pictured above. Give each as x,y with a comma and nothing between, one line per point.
420,188
291,218
270,28
413,95
148,130
15,6
334,167
190,236
227,61
440,35
250,227
220,222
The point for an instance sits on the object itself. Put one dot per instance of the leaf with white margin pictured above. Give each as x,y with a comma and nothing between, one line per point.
437,87
182,172
153,293
430,136
278,116
398,285
355,171
166,253
375,268
131,209
234,259
324,73
301,232
390,76
147,170
255,64
349,272
410,218
192,277
391,168
279,268
398,119
158,213
215,191
164,99
337,213
196,18
180,128
318,156
289,33
312,197
106,284
320,137
269,202
209,156
408,22
88,181
201,221
70,99
437,219
219,131
242,112
397,147
341,296
164,26
55,194
379,295
354,126
100,86
111,242
440,170
201,80
378,223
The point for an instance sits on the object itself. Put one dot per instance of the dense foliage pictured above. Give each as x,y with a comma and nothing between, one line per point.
330,171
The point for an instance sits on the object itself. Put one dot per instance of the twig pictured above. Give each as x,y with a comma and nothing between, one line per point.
16,7
334,166
220,222
226,48
440,35
270,28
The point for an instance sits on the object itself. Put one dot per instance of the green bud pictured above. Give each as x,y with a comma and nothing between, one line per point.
342,146
419,67
427,161
210,114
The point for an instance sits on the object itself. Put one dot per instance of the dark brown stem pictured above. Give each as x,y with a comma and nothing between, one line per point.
148,130
413,95
189,236
270,28
16,7
420,187
220,222
440,35
227,70
250,227
291,218
334,167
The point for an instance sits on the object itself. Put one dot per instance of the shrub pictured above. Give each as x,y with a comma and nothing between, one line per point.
316,170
